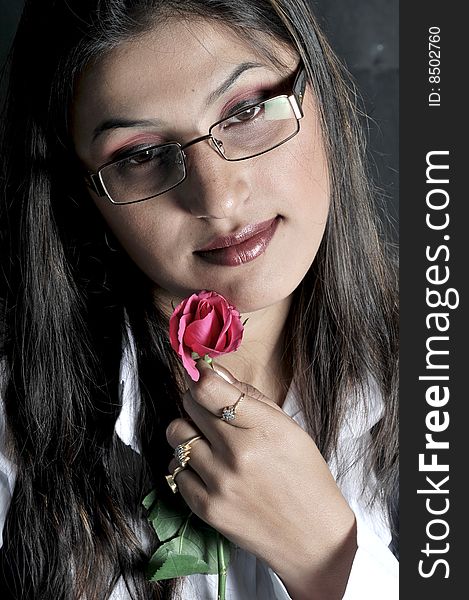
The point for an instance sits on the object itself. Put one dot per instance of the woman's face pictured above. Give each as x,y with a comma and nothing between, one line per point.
170,85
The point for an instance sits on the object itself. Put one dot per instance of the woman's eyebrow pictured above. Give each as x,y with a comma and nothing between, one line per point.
230,80
120,123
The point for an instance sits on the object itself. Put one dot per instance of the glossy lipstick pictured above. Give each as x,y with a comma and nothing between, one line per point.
240,247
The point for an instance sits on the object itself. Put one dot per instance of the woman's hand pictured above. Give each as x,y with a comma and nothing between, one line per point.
261,481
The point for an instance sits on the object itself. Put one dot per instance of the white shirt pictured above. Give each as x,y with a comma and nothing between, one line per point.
374,571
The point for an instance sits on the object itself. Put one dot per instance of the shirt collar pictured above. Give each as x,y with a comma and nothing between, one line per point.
361,414
129,392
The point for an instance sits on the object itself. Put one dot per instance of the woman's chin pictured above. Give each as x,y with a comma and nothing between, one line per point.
246,295
252,300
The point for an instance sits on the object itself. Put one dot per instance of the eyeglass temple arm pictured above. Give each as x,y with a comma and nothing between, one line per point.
93,182
299,85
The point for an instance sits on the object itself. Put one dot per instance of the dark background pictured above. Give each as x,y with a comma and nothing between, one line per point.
364,34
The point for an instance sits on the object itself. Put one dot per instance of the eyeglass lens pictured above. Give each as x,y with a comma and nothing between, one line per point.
144,174
155,170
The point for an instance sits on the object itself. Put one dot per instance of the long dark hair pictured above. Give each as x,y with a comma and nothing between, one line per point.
66,300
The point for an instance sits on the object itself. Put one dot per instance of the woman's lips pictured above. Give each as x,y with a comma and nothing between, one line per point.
241,247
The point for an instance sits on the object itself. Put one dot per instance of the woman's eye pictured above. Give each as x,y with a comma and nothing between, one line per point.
244,117
142,157
248,114
149,157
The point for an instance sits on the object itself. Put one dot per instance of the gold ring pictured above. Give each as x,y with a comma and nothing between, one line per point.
182,452
229,412
171,479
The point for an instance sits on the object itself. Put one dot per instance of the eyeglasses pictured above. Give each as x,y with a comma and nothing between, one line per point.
153,170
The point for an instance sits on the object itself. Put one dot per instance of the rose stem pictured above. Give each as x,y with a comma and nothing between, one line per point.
221,567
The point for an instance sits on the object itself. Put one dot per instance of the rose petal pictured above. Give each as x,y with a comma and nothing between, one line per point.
190,305
173,331
189,364
236,336
222,344
203,309
199,333
182,308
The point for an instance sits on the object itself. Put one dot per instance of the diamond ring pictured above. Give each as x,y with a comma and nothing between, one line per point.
182,452
229,412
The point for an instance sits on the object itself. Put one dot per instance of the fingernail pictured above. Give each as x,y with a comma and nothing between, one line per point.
223,373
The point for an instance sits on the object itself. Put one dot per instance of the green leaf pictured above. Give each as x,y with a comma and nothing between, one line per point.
176,558
203,537
149,500
167,520
189,544
194,551
194,355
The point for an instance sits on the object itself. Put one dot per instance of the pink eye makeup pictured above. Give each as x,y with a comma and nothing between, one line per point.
244,99
252,95
120,150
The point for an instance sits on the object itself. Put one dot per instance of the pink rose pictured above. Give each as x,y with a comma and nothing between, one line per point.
205,324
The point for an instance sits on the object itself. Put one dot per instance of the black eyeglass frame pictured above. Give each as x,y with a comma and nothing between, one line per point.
94,179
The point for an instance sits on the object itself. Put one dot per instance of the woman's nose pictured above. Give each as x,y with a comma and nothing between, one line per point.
214,187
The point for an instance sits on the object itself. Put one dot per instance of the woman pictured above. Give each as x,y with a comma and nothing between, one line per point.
153,150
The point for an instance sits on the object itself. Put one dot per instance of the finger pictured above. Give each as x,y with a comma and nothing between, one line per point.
242,386
191,487
199,454
219,374
180,431
205,421
226,437
207,404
